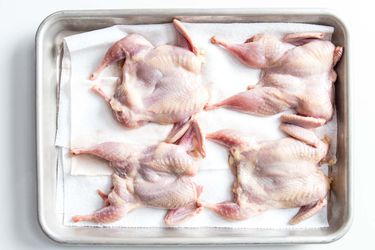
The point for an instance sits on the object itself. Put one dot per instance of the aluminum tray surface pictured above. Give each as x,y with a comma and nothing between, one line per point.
48,52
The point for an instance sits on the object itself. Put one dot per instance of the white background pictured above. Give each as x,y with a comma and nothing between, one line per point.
19,20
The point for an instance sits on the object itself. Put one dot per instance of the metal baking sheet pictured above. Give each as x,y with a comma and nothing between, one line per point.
48,52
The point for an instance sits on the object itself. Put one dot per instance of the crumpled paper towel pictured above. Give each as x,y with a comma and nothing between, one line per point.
85,119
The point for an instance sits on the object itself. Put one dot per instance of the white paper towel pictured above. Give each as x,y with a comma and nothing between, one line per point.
85,119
